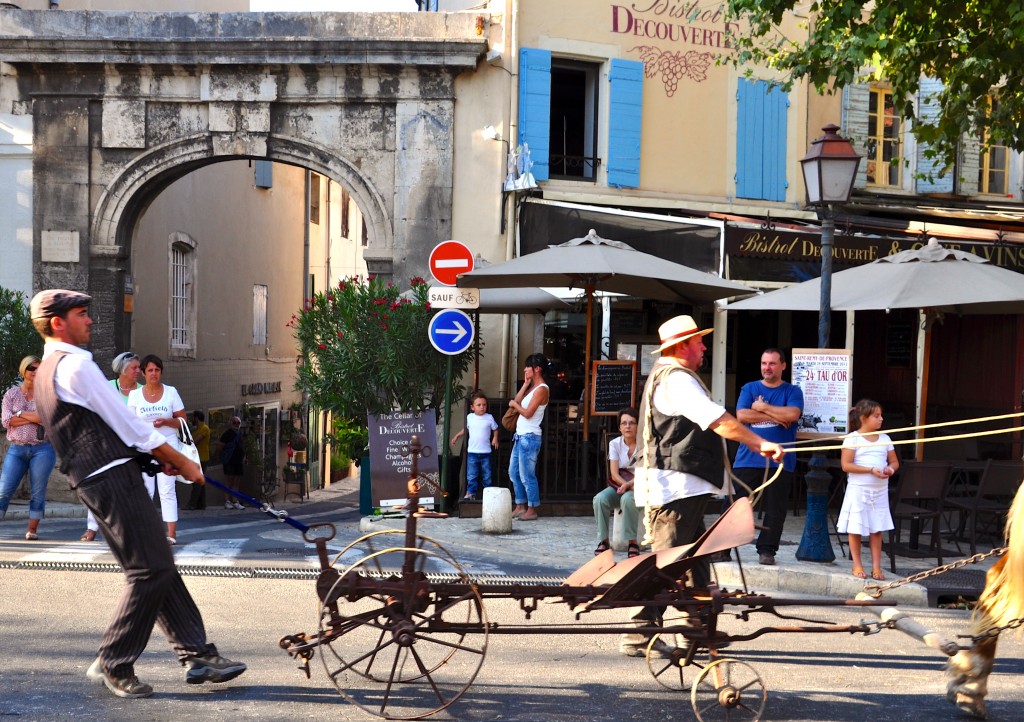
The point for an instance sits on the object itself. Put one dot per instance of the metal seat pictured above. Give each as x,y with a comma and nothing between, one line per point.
918,497
990,502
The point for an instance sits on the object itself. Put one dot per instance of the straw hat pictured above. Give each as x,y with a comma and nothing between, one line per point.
679,329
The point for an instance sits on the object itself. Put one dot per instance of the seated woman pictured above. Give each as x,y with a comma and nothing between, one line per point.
619,492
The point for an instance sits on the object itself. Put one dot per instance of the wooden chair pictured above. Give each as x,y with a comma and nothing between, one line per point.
996,489
918,497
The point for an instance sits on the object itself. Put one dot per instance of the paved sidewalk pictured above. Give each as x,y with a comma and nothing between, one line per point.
561,545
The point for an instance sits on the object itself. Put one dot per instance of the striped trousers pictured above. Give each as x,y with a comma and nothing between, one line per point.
154,593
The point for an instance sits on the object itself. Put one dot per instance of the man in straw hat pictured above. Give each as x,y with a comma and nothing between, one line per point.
102,446
682,455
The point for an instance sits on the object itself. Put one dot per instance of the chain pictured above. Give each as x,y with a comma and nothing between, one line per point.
876,590
993,631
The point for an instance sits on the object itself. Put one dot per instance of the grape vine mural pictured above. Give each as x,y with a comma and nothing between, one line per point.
673,66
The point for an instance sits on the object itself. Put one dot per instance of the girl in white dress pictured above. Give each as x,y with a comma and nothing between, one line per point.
161,404
869,460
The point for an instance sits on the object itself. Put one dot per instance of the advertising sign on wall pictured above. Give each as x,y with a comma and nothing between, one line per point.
390,462
825,377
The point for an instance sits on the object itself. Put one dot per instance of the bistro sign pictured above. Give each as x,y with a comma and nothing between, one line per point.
793,246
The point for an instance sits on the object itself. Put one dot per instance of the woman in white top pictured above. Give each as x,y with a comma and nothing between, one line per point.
126,366
162,405
530,402
619,492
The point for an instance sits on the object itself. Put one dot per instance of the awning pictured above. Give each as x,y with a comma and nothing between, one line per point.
694,242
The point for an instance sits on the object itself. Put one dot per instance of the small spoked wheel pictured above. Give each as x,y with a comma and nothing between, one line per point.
402,645
668,671
728,689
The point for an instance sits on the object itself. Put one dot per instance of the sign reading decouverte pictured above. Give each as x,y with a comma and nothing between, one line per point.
390,463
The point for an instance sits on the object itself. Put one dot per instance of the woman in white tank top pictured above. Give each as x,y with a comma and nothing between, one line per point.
530,402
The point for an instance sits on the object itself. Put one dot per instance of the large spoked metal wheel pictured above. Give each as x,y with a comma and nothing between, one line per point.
728,689
407,632
366,548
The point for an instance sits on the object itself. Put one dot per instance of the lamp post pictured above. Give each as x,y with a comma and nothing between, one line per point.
829,169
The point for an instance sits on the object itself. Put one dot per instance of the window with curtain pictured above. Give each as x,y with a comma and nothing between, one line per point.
994,164
884,162
181,282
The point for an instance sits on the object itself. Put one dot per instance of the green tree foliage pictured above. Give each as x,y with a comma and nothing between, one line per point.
364,349
18,337
972,46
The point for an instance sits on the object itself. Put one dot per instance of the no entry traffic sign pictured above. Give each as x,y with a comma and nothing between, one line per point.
448,260
451,331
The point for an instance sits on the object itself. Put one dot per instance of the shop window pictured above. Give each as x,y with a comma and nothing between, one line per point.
259,315
182,319
884,162
761,140
559,103
994,165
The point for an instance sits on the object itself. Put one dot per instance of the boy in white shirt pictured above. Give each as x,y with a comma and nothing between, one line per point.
480,426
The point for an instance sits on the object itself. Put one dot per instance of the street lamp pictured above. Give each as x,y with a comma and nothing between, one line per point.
829,168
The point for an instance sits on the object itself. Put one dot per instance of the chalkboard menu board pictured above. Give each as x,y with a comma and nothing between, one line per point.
899,339
613,386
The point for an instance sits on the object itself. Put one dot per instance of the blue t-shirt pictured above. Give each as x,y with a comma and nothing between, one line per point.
785,394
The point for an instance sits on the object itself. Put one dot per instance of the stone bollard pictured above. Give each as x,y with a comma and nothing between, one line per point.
618,543
496,517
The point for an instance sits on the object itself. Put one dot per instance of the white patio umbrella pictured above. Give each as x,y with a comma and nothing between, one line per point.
594,264
933,278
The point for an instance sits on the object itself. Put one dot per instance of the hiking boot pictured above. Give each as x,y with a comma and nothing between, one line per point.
128,687
212,668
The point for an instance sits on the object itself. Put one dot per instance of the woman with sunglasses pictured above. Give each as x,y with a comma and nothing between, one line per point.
29,450
126,366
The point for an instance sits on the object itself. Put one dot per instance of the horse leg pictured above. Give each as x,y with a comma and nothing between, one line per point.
967,677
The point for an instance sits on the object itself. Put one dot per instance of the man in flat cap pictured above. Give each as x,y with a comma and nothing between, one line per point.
102,446
682,455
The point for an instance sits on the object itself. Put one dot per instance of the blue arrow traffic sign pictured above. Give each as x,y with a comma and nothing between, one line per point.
451,331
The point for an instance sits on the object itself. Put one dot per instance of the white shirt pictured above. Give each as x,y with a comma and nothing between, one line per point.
479,428
162,408
79,381
678,394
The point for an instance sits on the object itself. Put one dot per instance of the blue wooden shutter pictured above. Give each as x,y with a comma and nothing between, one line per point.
761,128
535,107
625,116
928,110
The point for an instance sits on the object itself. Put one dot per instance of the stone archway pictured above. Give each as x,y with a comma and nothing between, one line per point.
122,104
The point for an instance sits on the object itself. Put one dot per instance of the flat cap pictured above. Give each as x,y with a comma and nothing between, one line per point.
55,301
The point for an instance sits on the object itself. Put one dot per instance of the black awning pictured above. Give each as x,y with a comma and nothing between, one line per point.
549,224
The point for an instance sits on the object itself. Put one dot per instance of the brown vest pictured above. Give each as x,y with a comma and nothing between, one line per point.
81,438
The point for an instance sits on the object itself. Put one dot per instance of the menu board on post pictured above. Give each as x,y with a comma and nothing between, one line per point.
613,387
390,464
825,377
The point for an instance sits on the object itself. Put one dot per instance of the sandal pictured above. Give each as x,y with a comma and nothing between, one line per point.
877,575
171,541
633,550
860,573
89,535
31,536
602,547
